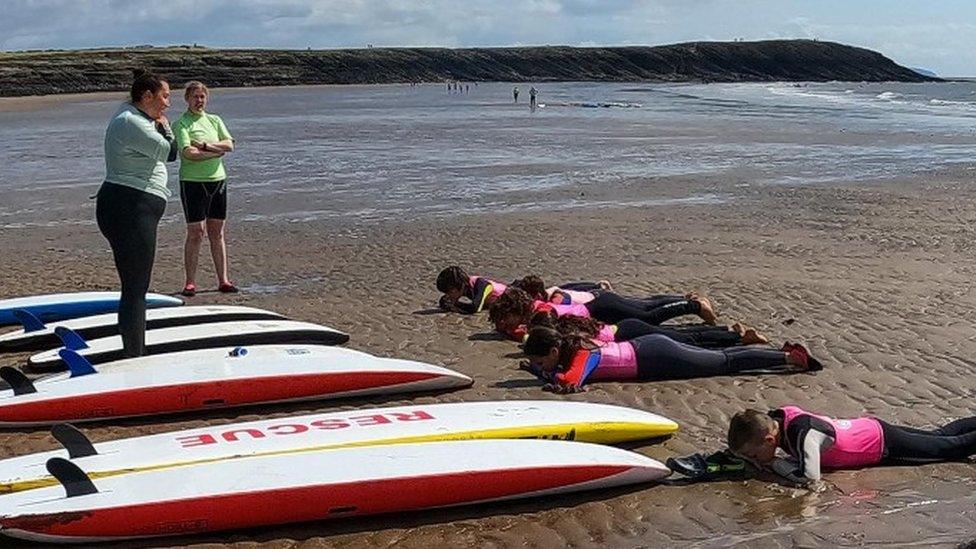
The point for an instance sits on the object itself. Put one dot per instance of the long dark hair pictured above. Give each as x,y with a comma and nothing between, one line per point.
566,324
513,301
541,340
452,278
144,81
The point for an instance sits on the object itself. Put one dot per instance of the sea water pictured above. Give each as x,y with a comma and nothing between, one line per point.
363,153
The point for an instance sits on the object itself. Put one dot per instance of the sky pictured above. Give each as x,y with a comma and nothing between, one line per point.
939,35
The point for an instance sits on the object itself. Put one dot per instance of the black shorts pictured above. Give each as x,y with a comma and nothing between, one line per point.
203,200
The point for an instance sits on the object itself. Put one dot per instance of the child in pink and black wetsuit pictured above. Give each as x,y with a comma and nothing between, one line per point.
568,361
480,292
455,284
512,311
608,306
699,335
815,441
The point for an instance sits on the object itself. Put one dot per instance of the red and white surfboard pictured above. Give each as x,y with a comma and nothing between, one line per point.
508,419
218,378
270,490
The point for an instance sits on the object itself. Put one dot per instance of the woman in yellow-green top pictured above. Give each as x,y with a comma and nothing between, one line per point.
203,140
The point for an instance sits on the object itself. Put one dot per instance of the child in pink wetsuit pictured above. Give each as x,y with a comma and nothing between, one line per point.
699,335
478,292
814,441
569,361
513,310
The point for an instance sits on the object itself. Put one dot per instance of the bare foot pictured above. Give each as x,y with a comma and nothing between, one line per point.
752,337
738,328
706,312
605,284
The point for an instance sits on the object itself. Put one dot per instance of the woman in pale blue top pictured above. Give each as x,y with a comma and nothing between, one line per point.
138,143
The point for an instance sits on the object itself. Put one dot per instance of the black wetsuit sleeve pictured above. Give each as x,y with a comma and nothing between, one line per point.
473,302
480,294
446,304
465,307
807,437
167,133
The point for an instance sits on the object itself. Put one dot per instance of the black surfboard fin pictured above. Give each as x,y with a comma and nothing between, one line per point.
73,440
75,481
17,381
30,322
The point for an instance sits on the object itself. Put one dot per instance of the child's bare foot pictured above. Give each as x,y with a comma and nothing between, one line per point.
752,337
738,328
605,284
705,312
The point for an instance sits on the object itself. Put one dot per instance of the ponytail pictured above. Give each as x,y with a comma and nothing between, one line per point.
144,81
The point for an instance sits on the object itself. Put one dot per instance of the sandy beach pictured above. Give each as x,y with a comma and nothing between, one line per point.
833,216
876,277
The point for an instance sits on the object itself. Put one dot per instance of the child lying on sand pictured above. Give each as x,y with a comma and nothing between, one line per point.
569,361
814,441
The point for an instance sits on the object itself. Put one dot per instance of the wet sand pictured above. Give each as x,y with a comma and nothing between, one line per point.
875,276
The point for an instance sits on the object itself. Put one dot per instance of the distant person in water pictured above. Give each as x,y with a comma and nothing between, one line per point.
816,442
515,93
567,362
532,95
132,199
203,140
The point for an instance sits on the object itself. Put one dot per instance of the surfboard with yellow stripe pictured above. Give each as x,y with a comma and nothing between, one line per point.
560,420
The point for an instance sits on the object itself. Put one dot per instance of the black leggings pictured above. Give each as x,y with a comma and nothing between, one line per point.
611,308
956,440
660,357
128,218
699,335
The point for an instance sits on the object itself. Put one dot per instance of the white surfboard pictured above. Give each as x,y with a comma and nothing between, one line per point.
51,307
214,378
316,485
33,338
200,336
515,419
